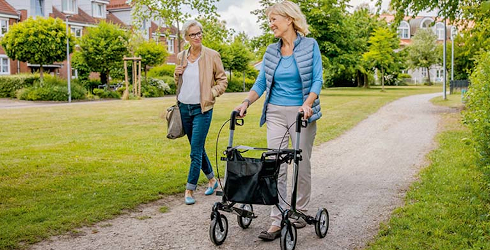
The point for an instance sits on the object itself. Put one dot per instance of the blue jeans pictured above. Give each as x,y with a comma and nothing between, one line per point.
196,126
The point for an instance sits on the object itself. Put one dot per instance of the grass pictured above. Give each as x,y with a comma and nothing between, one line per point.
449,207
63,167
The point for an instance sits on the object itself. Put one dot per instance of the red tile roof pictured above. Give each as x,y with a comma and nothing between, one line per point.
81,17
6,8
111,18
118,4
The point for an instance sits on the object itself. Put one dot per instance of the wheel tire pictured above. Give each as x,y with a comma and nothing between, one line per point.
215,234
321,224
286,242
244,222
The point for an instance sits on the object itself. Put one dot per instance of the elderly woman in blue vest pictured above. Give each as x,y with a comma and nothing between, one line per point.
291,76
201,79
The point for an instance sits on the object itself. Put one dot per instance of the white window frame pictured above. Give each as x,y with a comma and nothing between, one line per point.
439,30
2,57
96,7
424,72
404,30
41,3
69,6
74,29
171,45
6,20
424,21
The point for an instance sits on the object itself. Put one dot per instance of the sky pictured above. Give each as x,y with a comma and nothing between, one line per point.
238,17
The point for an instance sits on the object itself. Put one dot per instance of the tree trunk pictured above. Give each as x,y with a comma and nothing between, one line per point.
146,72
366,83
103,78
358,79
428,75
41,71
178,35
382,80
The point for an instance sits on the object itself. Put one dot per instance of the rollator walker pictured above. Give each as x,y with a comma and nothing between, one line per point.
251,181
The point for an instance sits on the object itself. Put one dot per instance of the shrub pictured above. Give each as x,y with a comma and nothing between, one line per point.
10,84
162,70
154,87
52,89
102,93
169,80
236,84
477,114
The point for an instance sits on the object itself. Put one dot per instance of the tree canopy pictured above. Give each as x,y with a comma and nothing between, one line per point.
422,52
151,53
103,47
37,41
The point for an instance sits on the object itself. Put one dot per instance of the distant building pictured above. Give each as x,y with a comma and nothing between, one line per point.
81,14
407,29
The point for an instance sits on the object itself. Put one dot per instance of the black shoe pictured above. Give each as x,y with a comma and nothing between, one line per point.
299,223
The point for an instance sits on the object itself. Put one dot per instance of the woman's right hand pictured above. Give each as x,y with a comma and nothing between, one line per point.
242,109
179,70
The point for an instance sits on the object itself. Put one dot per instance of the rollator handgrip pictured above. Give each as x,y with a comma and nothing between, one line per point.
300,122
234,121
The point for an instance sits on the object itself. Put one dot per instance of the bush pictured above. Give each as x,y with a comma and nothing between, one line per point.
154,87
102,93
236,84
52,89
162,70
10,84
477,114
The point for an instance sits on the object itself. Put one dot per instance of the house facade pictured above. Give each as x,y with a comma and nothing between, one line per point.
79,14
407,29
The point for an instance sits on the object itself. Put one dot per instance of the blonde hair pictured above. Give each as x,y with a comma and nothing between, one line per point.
291,10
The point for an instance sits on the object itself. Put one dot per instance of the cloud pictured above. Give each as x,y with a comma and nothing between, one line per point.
238,17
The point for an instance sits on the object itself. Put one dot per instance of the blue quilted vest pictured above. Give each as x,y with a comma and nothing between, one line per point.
303,54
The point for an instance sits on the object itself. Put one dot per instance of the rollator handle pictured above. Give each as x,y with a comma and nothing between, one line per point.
300,123
234,121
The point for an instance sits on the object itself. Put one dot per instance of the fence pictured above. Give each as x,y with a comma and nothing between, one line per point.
462,85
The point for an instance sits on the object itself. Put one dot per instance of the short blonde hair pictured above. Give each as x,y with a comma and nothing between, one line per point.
188,24
291,10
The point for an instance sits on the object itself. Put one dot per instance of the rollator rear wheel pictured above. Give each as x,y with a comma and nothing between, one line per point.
216,233
244,222
288,239
321,224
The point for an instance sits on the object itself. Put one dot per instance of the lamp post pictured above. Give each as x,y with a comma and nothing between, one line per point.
68,72
453,36
444,61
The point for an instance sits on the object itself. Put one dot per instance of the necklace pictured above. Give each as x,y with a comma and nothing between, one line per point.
195,57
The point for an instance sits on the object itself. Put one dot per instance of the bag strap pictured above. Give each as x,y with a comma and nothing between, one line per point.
179,83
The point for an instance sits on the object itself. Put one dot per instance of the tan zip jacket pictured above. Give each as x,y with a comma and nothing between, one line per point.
212,76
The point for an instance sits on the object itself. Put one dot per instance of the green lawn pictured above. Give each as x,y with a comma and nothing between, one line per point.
66,166
449,207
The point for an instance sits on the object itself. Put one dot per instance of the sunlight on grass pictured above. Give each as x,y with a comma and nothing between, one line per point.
62,167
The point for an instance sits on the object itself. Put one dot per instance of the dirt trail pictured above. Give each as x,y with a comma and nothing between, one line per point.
360,177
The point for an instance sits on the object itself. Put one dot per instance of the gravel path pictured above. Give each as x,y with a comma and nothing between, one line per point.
360,177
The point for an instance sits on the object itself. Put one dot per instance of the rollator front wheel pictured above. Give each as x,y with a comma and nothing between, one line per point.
288,238
321,224
243,221
218,233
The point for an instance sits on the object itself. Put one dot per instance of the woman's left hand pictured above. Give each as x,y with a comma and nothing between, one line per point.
307,111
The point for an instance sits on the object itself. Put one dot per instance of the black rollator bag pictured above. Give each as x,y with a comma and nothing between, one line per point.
251,180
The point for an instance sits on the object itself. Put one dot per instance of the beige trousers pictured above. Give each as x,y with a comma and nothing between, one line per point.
279,119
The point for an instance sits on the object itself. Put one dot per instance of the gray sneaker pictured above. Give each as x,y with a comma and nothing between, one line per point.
299,223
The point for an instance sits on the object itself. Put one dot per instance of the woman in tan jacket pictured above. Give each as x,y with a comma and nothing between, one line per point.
201,79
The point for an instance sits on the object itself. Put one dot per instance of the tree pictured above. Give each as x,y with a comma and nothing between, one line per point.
170,11
103,48
37,41
151,53
381,54
422,52
241,55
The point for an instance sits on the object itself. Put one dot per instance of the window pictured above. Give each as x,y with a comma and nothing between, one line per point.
439,31
4,26
4,65
69,6
38,7
98,10
426,23
440,73
77,31
404,30
74,73
424,72
170,45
